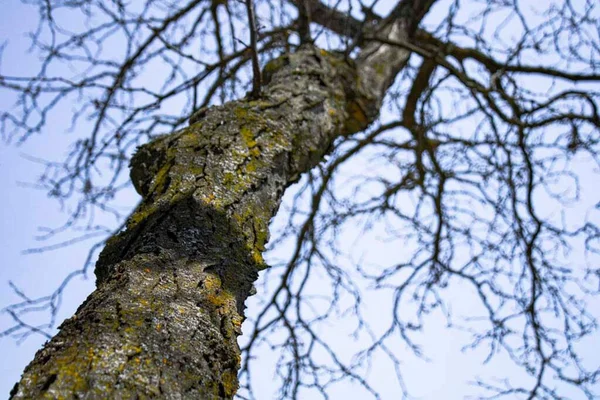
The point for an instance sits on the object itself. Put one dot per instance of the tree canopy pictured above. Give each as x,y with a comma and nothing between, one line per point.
472,191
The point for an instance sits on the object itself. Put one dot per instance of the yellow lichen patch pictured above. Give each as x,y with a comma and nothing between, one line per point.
69,366
144,211
189,139
230,383
248,137
241,112
228,178
255,152
239,154
208,198
131,349
237,323
216,295
159,181
137,217
212,282
193,170
257,257
249,117
253,165
225,306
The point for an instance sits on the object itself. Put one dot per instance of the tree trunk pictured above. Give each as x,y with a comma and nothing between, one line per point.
170,294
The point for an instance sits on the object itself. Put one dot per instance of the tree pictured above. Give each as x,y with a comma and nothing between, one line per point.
491,115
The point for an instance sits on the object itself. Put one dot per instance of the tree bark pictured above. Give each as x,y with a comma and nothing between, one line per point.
168,307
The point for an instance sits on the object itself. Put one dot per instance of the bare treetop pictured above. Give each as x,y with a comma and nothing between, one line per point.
479,167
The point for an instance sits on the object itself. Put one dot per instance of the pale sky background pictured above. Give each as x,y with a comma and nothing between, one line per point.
23,210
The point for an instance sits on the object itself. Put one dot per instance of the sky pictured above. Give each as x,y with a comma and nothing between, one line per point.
23,210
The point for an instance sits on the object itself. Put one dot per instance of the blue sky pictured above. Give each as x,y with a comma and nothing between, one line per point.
23,210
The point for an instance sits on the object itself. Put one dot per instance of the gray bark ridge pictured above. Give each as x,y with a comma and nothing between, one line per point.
164,319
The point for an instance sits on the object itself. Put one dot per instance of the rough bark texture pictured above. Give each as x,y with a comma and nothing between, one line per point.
171,287
164,319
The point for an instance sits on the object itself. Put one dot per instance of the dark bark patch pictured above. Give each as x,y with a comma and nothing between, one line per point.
51,379
202,233
14,390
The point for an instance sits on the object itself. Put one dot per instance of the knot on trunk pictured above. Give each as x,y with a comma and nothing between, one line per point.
146,162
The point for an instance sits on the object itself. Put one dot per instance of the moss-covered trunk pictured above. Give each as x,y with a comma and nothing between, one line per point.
164,319
168,308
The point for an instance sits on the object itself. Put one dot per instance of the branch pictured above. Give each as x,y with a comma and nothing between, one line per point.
428,41
381,61
256,77
330,18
